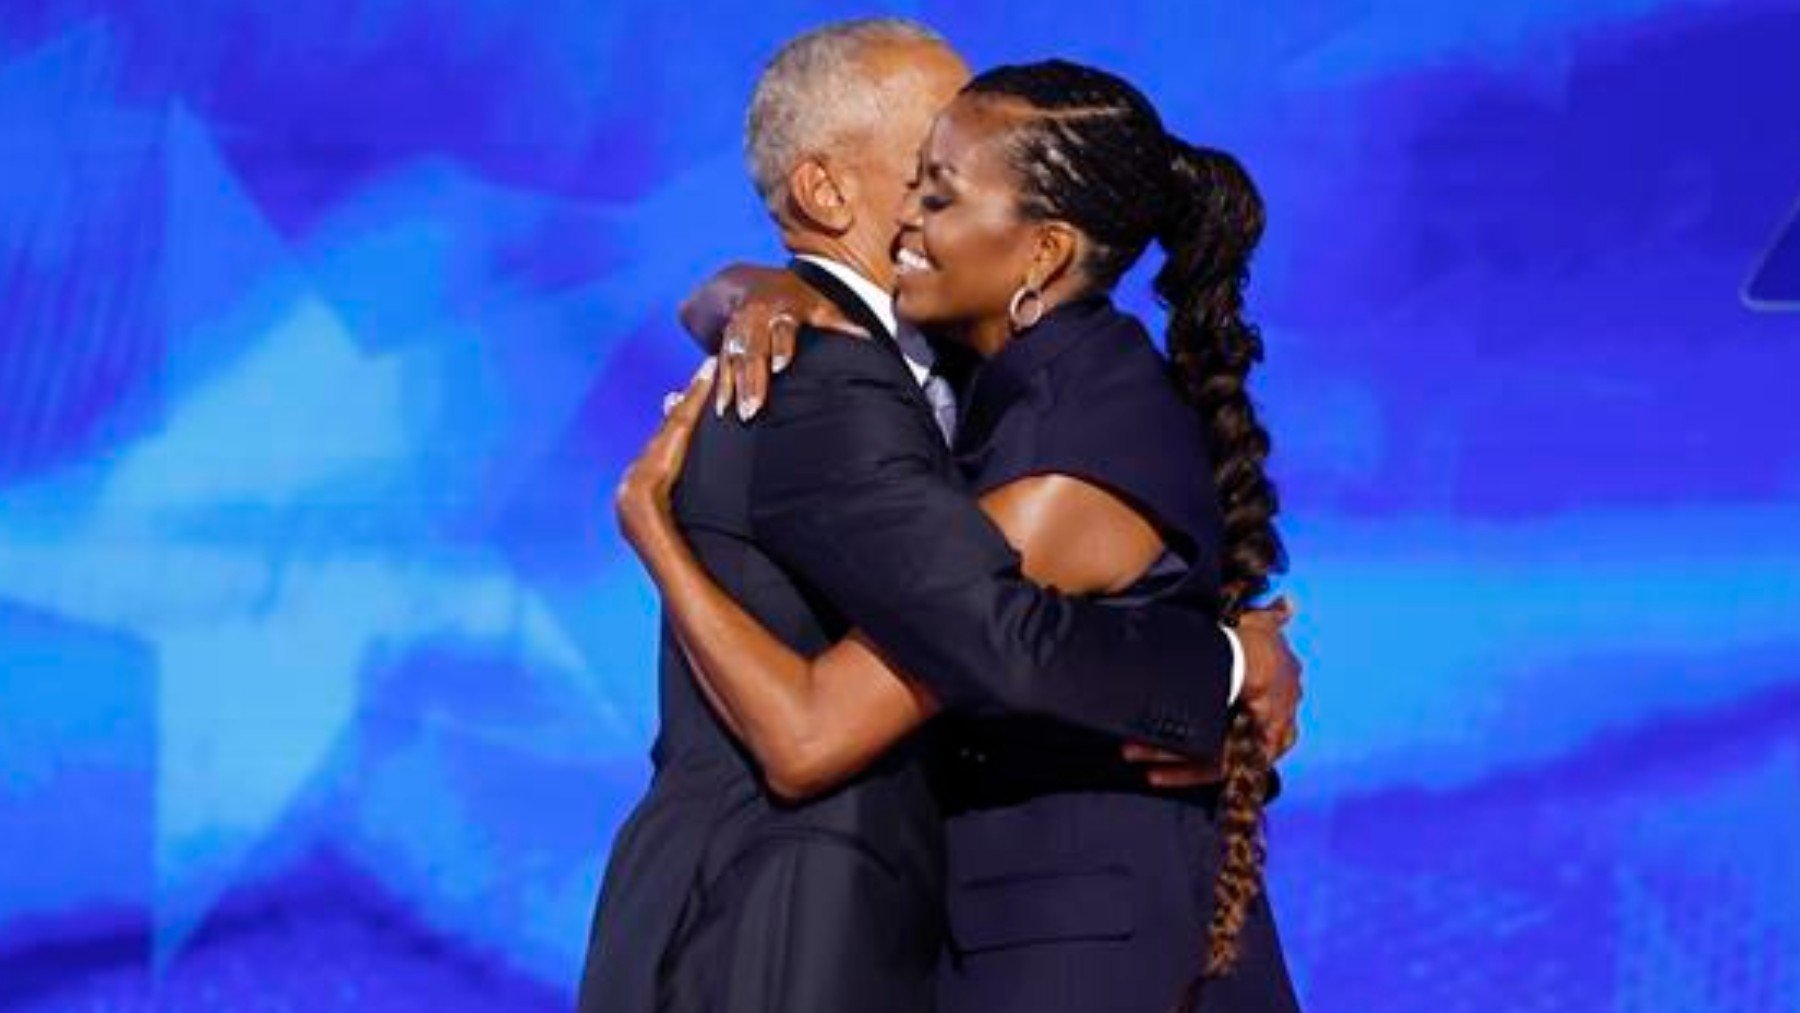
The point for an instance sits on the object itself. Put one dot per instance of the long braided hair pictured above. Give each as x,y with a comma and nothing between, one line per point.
1090,150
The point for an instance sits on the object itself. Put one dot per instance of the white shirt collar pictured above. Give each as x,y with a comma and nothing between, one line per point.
881,303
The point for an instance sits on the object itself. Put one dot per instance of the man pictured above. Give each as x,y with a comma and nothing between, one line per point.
838,509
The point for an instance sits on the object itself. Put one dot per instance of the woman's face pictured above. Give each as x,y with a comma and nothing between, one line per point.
963,249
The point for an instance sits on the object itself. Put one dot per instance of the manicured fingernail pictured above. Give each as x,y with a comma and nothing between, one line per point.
709,367
747,407
780,362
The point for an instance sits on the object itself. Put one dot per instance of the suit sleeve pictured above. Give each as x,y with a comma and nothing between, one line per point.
852,492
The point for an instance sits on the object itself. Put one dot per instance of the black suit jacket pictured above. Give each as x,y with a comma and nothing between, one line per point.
853,491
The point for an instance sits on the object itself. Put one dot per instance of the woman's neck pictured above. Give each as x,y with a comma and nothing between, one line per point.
987,338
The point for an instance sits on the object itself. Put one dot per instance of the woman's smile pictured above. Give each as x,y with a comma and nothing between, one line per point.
910,261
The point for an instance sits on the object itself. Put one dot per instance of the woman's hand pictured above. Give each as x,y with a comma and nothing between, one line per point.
645,492
760,335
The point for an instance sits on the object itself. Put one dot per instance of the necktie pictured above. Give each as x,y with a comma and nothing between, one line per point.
943,405
938,392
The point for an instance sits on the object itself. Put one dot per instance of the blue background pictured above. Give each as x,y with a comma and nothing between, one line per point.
326,327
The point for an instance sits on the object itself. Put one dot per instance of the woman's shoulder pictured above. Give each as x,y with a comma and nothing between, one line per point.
1111,412
1119,379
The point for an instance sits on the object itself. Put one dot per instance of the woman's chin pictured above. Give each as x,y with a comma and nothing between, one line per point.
913,303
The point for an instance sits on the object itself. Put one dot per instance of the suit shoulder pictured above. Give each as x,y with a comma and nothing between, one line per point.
1126,377
845,406
845,380
826,353
1122,356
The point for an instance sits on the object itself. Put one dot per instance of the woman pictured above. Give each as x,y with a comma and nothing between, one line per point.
1072,886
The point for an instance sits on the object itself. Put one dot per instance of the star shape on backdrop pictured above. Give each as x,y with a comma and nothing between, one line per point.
290,519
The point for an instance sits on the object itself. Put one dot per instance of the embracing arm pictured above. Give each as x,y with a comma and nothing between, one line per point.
811,723
853,492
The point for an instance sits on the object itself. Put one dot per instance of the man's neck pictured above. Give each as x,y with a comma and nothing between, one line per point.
880,274
867,291
914,348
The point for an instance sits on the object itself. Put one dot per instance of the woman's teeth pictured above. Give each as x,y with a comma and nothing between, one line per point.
909,261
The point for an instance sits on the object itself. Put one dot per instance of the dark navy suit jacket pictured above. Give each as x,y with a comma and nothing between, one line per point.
1073,887
840,507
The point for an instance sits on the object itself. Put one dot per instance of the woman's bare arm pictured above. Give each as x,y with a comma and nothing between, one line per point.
811,723
1073,535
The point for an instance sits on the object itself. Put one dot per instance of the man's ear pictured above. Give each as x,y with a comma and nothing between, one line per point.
1055,251
819,198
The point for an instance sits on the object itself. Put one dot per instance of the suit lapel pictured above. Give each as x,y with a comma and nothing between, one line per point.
852,306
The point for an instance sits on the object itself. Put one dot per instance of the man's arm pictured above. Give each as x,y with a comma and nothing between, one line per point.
852,492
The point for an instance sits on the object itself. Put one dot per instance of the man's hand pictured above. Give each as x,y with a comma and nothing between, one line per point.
1272,688
1272,691
751,317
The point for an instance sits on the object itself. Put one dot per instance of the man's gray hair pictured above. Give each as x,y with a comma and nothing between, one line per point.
812,94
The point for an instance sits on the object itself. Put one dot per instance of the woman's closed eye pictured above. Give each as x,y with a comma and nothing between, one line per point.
933,202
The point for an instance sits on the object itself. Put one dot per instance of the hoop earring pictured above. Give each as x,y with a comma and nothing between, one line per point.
1027,291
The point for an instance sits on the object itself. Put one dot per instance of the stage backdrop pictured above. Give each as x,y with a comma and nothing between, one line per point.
326,328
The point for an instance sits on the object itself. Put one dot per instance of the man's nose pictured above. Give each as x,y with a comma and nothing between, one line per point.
909,209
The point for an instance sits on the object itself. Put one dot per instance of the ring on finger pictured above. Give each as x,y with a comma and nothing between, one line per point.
735,347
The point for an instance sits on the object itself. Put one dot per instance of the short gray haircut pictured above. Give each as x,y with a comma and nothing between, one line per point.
812,95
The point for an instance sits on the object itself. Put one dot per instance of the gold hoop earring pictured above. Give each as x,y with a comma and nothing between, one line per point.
1027,291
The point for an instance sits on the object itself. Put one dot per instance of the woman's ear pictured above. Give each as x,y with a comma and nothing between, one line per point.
819,198
1055,252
